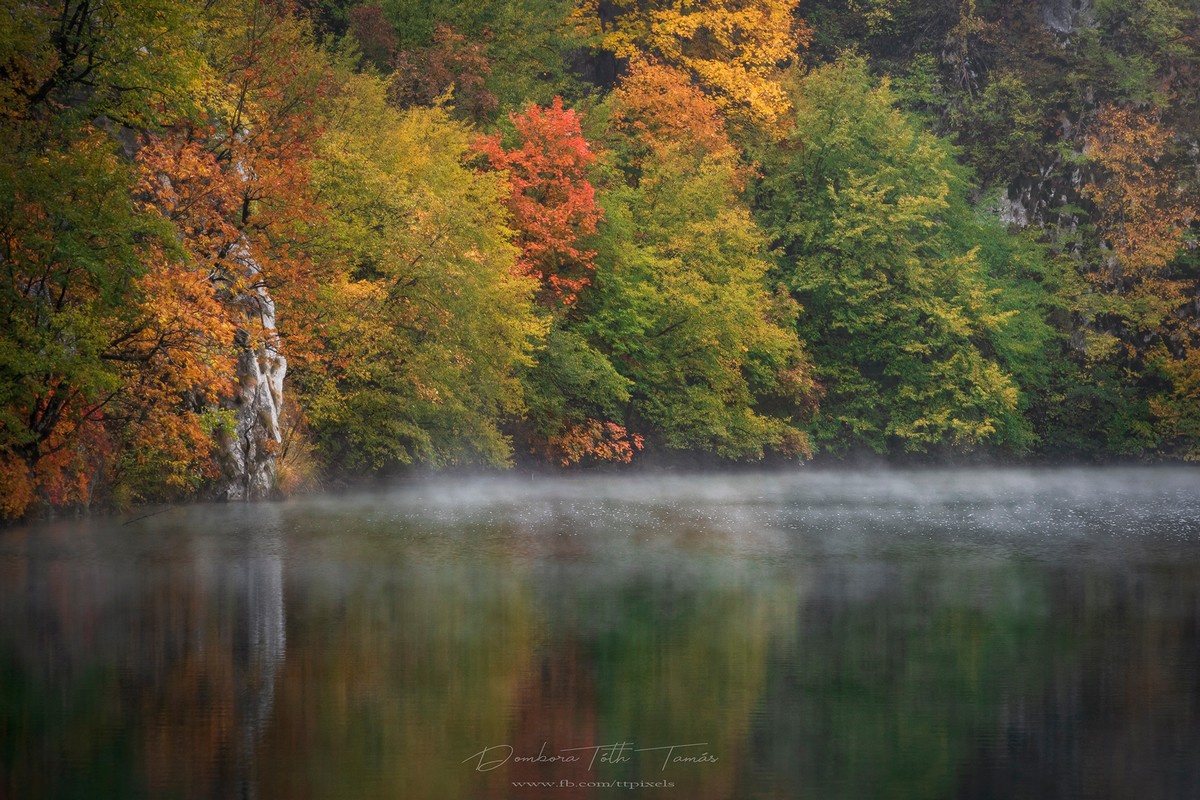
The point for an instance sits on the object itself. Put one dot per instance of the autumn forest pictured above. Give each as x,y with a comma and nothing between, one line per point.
253,247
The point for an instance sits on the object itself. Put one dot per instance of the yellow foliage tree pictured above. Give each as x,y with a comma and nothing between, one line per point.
733,48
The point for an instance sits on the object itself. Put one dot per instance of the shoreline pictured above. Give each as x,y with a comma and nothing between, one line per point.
677,469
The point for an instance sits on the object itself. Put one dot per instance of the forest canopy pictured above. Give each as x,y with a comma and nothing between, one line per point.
252,246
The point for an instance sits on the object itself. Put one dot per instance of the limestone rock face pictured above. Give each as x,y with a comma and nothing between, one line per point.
247,457
1067,16
248,463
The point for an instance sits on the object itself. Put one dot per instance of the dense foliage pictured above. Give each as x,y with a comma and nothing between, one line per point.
577,231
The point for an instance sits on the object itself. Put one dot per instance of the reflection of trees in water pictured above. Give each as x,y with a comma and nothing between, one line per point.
260,582
673,653
221,644
555,708
958,679
157,666
1124,719
398,669
131,675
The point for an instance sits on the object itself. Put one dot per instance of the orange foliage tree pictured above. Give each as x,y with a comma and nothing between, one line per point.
555,213
1143,213
732,48
552,202
136,279
656,103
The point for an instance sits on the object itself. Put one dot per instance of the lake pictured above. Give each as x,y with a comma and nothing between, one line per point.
925,634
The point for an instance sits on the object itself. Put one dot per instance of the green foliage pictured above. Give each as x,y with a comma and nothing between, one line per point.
871,215
681,306
571,383
1032,344
131,60
71,230
425,325
1001,129
919,87
529,42
891,31
1133,41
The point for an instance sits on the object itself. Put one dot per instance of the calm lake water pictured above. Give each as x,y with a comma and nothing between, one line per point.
979,633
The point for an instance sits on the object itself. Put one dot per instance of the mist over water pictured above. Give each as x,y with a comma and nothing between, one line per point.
1028,512
934,633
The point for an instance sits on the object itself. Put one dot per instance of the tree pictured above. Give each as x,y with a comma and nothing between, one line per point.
74,248
86,353
252,216
155,190
732,48
680,304
529,46
374,35
1141,211
450,65
551,200
869,212
573,391
425,322
1144,311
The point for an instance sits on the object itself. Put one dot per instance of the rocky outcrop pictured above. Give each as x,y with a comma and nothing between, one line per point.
1048,198
1064,17
247,452
248,463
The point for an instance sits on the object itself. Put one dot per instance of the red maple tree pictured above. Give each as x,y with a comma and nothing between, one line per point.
552,202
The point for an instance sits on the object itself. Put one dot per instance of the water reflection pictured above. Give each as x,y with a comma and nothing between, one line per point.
146,669
937,634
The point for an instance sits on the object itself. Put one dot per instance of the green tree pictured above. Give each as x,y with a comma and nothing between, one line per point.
680,302
86,349
876,244
425,322
529,45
